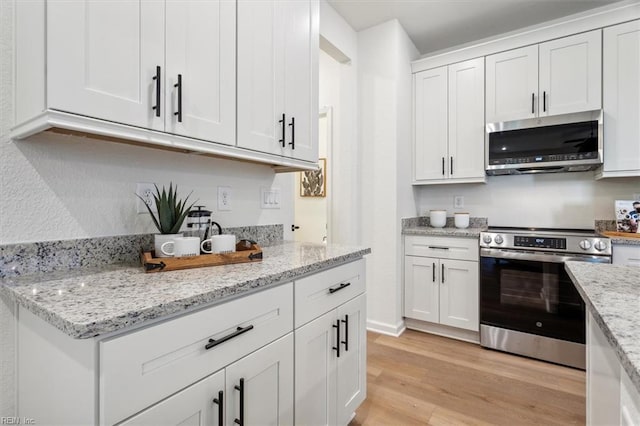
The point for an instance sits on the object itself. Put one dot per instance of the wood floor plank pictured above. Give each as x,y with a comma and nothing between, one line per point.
420,378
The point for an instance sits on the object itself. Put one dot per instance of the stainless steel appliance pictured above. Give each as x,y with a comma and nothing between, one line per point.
528,303
560,143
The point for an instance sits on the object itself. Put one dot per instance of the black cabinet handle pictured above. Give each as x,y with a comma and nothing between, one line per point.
533,103
438,248
240,388
157,79
236,333
294,227
451,169
442,273
179,86
442,166
434,272
544,101
220,401
293,133
283,122
340,287
337,346
345,342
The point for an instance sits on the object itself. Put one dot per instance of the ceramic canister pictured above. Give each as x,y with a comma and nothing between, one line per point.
461,220
438,218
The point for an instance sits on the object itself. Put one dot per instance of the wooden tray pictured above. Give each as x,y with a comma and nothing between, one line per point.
244,253
614,234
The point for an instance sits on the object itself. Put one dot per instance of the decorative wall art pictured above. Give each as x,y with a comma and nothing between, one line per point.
314,183
628,216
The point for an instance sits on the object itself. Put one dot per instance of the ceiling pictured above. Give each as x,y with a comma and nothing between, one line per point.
439,24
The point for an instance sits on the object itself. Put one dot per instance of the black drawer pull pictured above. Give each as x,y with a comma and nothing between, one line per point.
236,333
156,78
220,402
283,122
438,248
179,86
443,273
293,133
434,272
337,346
340,287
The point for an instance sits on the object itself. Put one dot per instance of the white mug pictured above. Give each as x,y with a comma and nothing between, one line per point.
220,244
182,247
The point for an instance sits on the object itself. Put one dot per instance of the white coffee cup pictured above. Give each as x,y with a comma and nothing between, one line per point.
461,220
220,244
438,218
182,247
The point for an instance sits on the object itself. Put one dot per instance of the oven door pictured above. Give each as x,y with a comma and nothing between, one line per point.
531,293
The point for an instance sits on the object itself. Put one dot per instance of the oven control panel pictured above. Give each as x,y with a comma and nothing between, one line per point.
539,242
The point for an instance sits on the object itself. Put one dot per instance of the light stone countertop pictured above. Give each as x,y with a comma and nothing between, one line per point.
612,295
444,232
89,302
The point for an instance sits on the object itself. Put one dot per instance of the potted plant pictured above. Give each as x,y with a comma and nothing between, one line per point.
171,213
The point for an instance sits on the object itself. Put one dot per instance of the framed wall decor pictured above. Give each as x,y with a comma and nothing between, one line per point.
314,183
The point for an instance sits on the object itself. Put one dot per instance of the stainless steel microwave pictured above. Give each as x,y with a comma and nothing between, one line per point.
561,143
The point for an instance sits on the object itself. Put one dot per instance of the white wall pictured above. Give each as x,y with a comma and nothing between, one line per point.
384,78
61,187
556,200
338,90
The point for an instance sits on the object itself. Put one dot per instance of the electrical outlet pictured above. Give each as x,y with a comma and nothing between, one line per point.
224,198
458,202
146,191
636,197
270,198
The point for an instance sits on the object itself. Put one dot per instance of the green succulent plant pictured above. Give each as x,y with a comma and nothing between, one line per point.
171,210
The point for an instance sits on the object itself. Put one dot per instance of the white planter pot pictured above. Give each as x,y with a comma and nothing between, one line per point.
159,239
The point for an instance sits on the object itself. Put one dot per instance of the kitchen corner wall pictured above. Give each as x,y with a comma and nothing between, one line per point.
384,76
57,187
554,200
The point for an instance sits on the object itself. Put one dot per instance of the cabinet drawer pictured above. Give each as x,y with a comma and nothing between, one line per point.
326,290
141,368
442,247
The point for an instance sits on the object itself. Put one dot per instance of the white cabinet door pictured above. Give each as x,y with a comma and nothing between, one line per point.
102,59
352,362
512,84
571,74
629,401
193,406
315,371
622,98
421,288
261,76
260,386
459,294
301,50
430,121
466,119
200,48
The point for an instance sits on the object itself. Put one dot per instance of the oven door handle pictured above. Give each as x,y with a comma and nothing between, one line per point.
542,257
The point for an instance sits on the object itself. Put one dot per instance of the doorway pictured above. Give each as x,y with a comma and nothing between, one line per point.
312,198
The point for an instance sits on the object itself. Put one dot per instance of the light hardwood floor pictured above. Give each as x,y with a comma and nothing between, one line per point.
420,378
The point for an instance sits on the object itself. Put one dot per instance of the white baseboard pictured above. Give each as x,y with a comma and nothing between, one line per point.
384,328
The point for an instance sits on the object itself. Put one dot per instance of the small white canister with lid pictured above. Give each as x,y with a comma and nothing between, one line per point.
461,220
438,218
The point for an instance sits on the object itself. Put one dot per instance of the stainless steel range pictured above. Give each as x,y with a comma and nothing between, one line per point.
528,304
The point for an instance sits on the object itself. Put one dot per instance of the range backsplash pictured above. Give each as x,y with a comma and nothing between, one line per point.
51,256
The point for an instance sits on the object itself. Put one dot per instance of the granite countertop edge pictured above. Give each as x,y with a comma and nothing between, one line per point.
85,330
444,232
632,369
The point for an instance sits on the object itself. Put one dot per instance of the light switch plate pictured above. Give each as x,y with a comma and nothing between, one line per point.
636,197
458,202
270,198
224,198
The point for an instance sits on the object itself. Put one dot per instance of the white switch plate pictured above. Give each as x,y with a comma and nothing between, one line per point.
270,198
146,191
458,202
636,197
224,198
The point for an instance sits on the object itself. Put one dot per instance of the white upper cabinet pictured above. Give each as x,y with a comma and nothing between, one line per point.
570,74
431,129
449,123
512,84
622,100
200,69
103,58
557,77
278,77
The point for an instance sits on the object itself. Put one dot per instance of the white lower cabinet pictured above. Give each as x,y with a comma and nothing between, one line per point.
442,290
330,364
611,397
